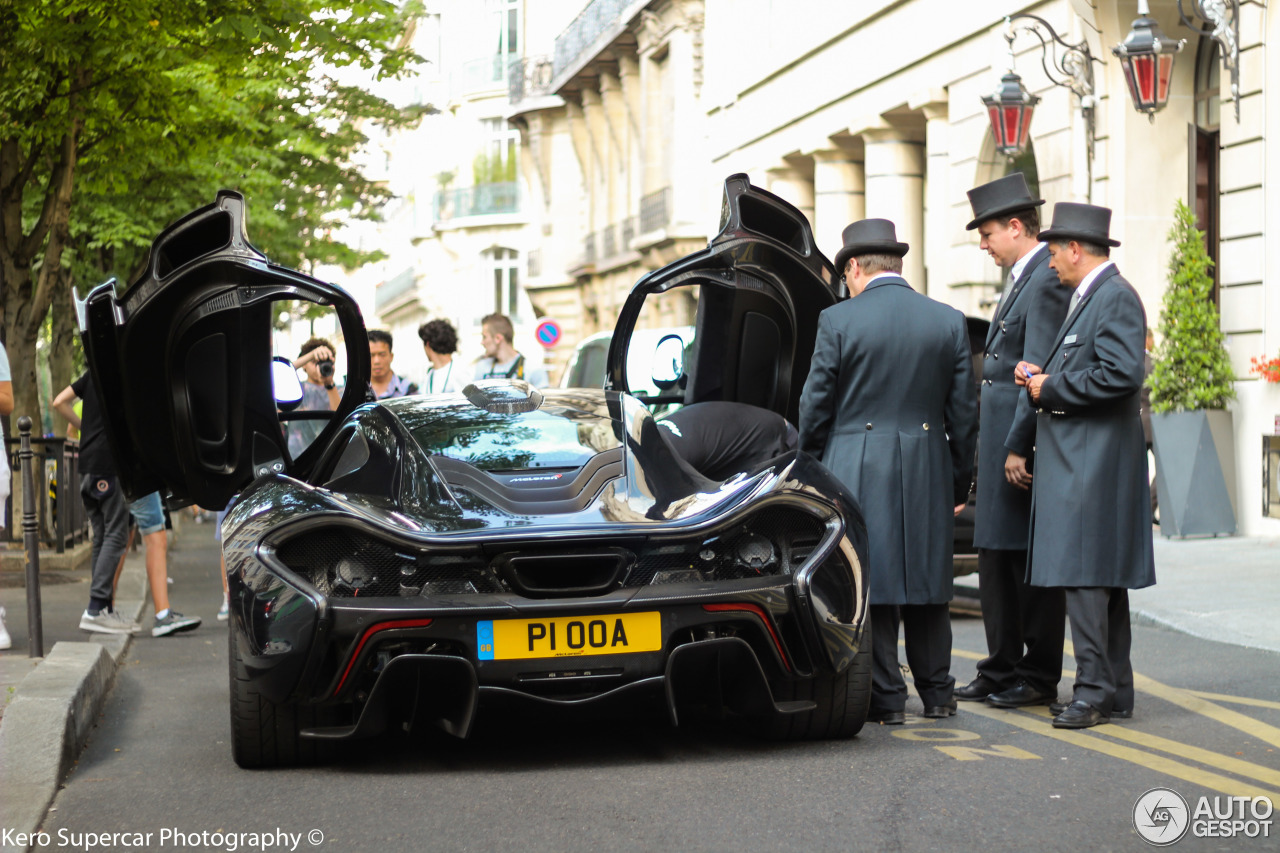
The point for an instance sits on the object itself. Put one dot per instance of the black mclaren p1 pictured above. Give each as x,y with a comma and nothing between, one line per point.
427,557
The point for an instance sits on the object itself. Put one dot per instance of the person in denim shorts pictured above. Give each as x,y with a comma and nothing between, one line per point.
148,514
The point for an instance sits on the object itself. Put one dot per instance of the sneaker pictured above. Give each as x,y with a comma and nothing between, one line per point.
224,612
108,622
174,623
6,642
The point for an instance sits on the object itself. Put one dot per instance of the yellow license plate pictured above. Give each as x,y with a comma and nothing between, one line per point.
569,636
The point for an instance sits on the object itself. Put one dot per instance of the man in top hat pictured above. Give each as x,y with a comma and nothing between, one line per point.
1024,624
1090,502
890,408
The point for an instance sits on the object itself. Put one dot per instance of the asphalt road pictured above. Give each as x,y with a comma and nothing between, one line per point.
1207,723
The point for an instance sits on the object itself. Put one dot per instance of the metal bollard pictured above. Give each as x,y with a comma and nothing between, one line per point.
31,540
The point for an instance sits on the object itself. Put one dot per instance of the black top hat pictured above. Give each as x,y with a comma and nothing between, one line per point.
1000,198
1086,223
869,237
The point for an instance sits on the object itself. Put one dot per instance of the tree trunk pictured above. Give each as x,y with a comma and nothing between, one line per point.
62,347
28,295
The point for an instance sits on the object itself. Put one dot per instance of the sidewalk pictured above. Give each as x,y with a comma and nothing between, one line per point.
49,705
1225,589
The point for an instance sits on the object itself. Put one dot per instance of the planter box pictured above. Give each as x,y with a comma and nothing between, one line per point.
1195,472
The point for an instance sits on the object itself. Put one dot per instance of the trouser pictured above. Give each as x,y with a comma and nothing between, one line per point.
1024,624
1102,637
109,515
927,628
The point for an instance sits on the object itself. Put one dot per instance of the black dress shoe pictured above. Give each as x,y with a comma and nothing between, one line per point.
887,718
938,712
1020,696
1057,708
977,690
1079,715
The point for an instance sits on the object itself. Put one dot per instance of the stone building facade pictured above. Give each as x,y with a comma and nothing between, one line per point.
631,117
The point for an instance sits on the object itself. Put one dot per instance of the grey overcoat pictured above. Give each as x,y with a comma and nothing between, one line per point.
1091,504
1023,328
890,407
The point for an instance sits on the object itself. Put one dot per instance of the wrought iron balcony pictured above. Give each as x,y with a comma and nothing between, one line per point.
599,17
529,78
480,200
655,210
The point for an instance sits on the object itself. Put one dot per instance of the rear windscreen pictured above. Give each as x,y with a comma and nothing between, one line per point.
513,442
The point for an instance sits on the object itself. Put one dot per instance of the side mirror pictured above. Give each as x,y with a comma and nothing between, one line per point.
668,362
285,384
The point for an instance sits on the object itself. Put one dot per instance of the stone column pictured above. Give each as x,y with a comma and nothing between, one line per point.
632,92
937,196
839,196
580,138
615,152
792,185
597,146
895,191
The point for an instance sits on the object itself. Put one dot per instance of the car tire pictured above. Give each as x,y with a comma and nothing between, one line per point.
842,700
265,733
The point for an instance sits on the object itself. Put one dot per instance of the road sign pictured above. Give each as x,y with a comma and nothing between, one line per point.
548,333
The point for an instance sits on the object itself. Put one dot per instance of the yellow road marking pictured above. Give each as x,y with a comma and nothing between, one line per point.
1192,700
999,750
1092,741
1236,700
1195,701
1126,732
1187,699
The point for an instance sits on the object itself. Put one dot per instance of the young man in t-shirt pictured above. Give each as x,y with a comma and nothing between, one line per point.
385,383
501,359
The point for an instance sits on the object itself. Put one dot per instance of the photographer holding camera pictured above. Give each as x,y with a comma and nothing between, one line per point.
319,392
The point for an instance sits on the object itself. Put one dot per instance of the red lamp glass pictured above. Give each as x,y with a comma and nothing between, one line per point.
1009,110
1146,56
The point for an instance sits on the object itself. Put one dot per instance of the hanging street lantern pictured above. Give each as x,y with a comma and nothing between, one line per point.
1009,109
1146,55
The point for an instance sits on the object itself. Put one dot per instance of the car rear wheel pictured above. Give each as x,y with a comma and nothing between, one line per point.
842,702
265,733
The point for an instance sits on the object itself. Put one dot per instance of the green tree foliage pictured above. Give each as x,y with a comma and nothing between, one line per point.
1192,369
115,118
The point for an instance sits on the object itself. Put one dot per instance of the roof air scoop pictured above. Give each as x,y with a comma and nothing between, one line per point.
503,396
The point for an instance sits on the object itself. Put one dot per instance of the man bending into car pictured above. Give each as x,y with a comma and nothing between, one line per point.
720,438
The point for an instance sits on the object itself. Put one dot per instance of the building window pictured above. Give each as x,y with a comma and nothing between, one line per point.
504,273
506,21
496,162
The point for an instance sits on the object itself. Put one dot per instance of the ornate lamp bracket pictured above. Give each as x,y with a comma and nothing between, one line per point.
1073,69
1223,16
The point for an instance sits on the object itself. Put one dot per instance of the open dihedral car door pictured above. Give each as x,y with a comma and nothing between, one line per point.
181,361
753,297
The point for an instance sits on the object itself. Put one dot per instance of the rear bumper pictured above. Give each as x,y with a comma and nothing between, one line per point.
382,659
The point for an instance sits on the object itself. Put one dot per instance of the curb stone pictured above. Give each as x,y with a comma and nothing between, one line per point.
49,719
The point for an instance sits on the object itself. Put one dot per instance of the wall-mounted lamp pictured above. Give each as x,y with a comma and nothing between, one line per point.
1009,108
1146,55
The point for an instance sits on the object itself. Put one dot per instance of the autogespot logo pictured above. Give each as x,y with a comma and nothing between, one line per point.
1161,816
